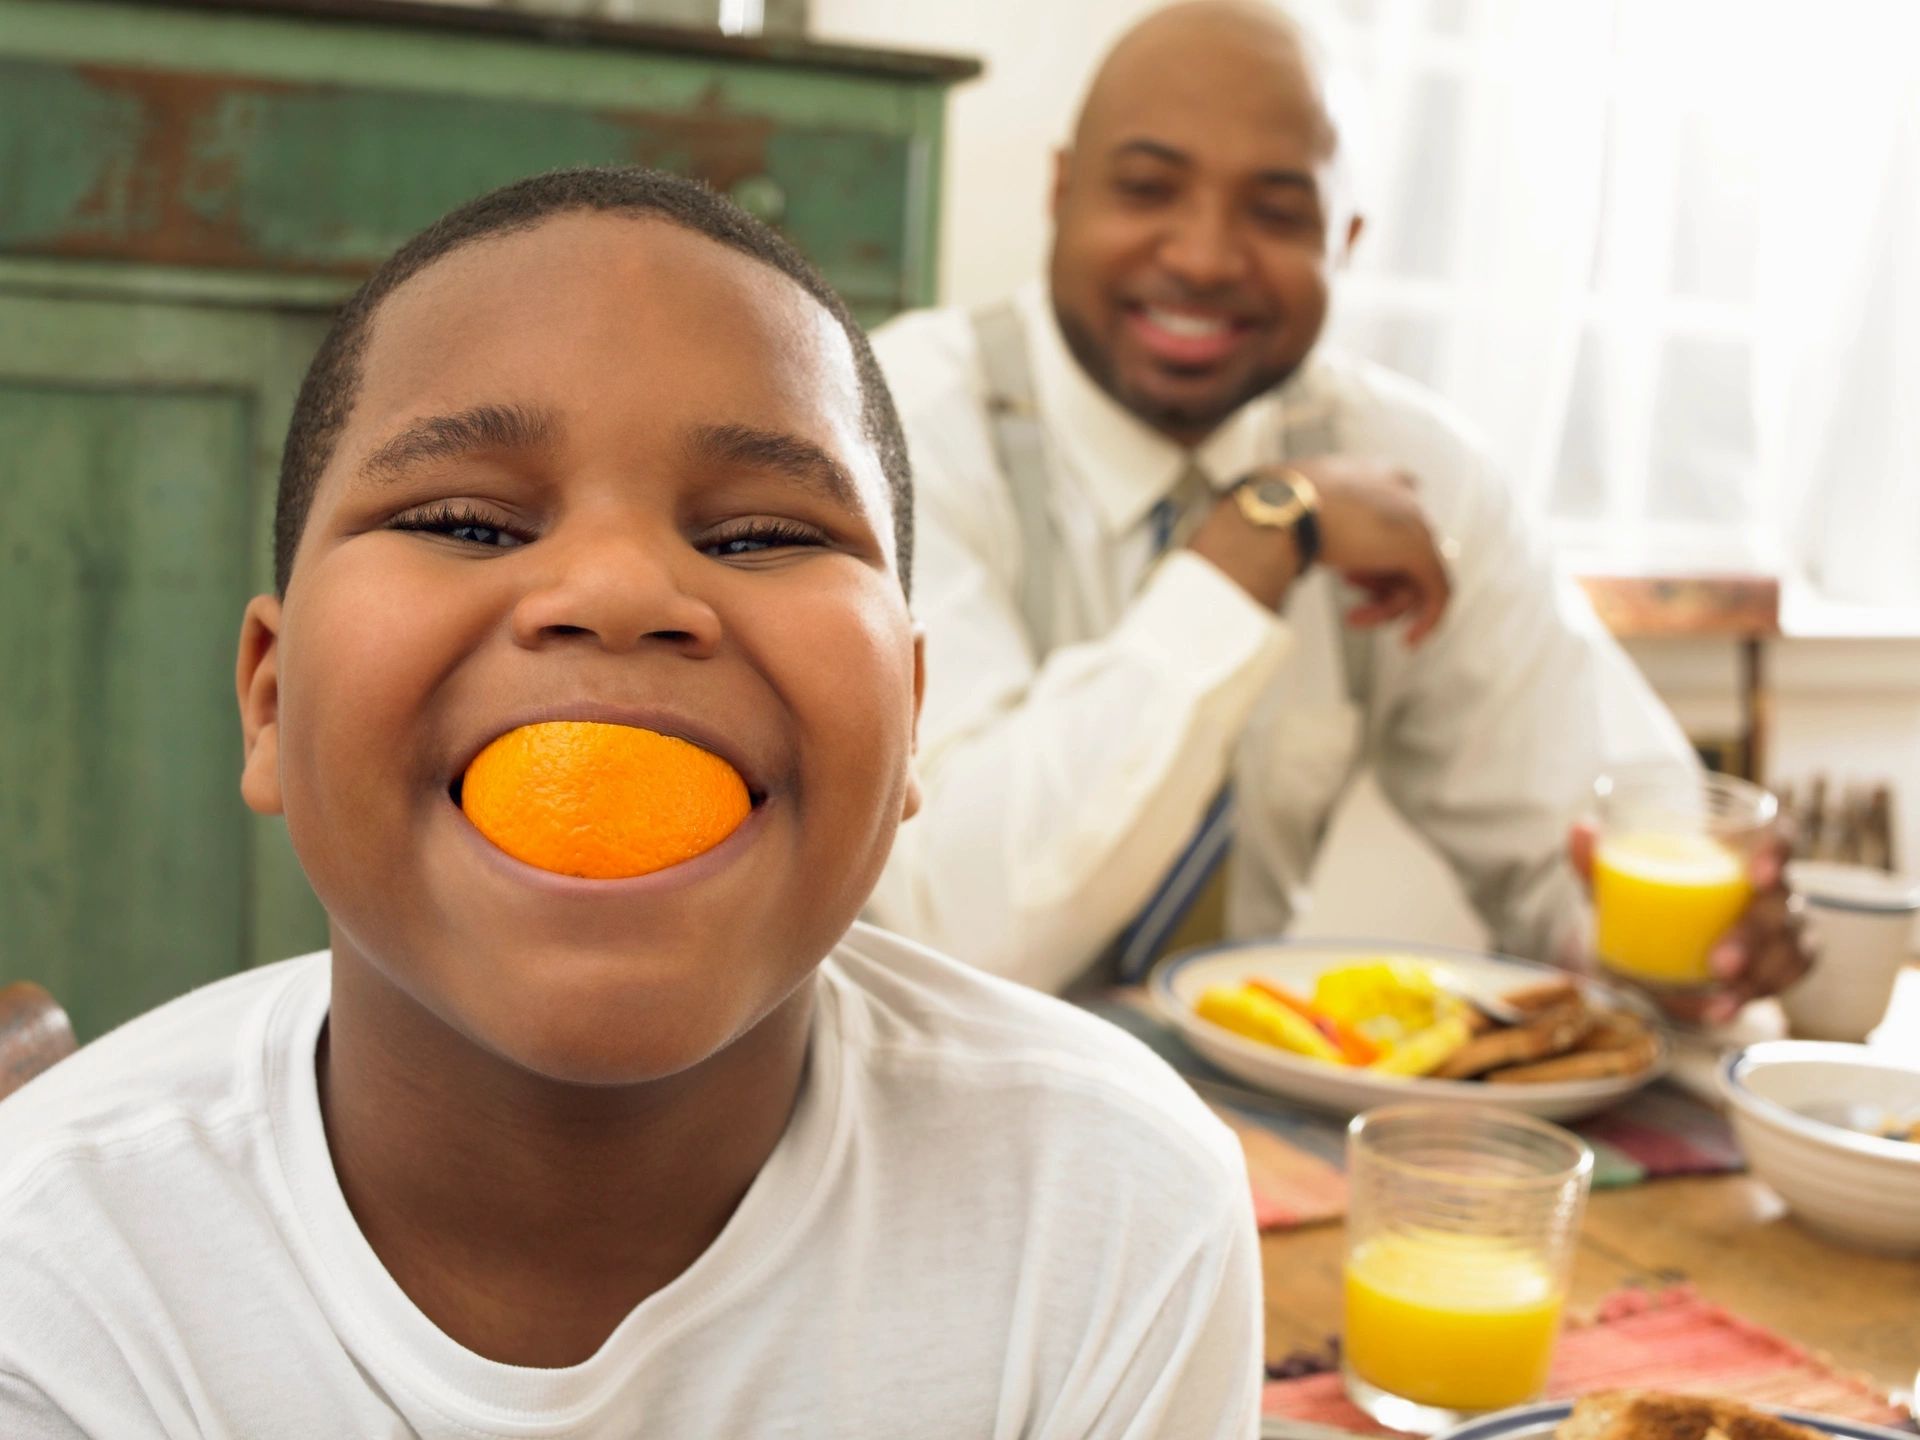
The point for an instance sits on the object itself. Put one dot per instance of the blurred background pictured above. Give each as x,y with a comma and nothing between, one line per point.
1663,254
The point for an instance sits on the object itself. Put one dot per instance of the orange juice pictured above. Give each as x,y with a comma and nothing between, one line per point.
1463,1322
1660,901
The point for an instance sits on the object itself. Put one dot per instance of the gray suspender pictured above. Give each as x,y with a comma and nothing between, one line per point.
1014,419
1307,428
1017,441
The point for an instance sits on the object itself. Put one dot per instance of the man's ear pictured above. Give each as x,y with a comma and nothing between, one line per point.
256,679
1354,227
912,806
1062,169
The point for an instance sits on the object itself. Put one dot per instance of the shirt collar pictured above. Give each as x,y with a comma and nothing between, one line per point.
1125,465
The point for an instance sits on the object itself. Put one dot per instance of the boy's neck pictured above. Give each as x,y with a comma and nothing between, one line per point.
526,1216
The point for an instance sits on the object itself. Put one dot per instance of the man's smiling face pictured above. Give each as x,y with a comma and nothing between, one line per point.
1193,219
602,468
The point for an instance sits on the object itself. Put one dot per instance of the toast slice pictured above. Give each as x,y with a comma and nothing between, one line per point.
1656,1415
1618,1044
1553,1031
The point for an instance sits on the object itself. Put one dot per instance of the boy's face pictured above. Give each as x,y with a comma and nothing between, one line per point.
602,469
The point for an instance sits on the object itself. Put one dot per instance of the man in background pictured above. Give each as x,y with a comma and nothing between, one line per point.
1186,574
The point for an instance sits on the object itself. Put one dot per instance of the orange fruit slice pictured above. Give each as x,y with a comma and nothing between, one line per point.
603,802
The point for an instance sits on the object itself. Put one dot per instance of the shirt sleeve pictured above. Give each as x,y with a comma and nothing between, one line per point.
1056,793
1488,739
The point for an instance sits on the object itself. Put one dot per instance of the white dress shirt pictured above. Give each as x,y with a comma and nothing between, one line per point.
1064,774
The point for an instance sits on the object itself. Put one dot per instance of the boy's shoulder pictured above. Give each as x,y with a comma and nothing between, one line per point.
185,1066
930,1029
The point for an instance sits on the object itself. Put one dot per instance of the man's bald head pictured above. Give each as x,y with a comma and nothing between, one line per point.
1267,48
1198,212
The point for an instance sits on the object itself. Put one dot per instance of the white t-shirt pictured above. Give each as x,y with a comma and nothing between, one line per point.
990,1215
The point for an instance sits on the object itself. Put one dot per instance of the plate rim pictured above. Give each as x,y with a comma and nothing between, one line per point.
1538,1412
1160,992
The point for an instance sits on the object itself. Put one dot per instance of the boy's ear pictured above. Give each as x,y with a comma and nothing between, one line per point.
912,807
1062,165
256,678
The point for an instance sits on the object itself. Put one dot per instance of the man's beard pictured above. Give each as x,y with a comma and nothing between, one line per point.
1195,419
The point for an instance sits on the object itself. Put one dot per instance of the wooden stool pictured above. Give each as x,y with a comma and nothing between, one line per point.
34,1032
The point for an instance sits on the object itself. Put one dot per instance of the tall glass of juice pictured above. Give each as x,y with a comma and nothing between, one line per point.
1670,868
1460,1228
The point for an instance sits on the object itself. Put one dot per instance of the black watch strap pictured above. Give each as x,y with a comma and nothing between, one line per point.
1306,535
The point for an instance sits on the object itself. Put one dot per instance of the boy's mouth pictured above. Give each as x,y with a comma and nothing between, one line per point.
602,799
755,798
661,722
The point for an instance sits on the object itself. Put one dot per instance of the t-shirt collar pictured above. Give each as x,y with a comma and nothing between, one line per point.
1125,465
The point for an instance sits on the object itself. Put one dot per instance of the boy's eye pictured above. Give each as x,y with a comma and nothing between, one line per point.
754,537
461,523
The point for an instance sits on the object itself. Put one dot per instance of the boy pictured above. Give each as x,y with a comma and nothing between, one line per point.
675,1155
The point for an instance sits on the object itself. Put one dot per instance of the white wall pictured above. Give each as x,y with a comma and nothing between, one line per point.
1002,129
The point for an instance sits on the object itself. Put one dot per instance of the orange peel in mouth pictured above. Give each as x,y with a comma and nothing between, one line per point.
601,801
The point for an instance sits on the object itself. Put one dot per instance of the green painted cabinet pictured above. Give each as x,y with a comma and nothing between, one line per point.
185,192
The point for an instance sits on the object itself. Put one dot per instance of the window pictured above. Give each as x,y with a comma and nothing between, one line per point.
1587,223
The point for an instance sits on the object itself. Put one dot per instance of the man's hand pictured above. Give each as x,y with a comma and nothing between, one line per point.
1767,949
1372,531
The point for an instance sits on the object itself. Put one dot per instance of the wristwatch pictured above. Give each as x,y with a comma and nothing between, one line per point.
1283,499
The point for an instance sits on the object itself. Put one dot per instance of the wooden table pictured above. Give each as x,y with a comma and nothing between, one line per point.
1727,1235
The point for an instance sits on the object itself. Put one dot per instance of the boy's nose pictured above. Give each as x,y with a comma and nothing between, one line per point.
620,591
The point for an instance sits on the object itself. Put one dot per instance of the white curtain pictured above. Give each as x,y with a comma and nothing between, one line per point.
1666,255
1838,353
1534,144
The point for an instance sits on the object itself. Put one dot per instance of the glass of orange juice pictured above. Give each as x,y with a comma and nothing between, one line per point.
1460,1228
1670,870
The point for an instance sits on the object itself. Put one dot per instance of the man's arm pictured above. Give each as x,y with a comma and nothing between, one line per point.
1489,739
1058,793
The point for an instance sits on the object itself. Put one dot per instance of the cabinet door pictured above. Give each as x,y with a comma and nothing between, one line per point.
138,443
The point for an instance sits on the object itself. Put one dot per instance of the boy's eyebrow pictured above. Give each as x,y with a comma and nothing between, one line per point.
792,456
444,437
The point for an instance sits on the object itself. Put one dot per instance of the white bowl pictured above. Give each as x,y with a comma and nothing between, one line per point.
1177,982
1851,1187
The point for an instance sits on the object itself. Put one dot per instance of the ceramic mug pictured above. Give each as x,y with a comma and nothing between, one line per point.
1863,919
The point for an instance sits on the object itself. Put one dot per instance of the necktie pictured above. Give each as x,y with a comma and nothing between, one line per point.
1189,905
1178,513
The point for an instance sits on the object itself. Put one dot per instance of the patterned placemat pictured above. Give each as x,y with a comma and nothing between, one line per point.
1294,1154
1665,1340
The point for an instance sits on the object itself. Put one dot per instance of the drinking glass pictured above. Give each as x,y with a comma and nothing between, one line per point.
1670,870
1460,1228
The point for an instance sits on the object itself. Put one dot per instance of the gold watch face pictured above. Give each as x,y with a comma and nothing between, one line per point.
1275,491
1270,500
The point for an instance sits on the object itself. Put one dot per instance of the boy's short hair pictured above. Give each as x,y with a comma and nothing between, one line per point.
333,379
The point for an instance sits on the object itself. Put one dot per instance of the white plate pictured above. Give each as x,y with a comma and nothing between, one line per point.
1177,982
1537,1422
